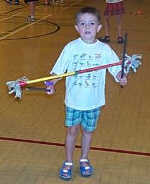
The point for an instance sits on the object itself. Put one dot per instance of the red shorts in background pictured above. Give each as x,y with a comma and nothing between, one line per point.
114,9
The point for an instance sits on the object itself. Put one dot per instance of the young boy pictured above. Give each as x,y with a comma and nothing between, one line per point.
85,93
113,8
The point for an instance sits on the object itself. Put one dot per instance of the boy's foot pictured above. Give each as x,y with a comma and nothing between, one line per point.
86,169
105,39
65,172
30,19
120,39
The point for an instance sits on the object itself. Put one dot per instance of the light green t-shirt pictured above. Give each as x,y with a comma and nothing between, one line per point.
85,91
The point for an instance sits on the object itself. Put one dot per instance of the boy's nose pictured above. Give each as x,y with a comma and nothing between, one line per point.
87,25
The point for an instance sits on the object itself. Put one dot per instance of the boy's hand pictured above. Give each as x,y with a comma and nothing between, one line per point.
123,80
49,87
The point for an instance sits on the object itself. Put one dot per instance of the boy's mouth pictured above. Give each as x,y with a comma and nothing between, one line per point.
87,32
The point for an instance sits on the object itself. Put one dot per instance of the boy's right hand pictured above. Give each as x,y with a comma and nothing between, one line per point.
50,89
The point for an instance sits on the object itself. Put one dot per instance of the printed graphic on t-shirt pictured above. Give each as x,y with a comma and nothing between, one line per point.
85,61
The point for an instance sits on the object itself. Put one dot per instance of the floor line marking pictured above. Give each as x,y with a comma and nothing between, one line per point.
9,17
24,27
77,146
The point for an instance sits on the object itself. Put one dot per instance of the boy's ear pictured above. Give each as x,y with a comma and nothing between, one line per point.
76,27
99,27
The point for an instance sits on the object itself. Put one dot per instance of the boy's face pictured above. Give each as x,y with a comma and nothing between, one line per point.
87,26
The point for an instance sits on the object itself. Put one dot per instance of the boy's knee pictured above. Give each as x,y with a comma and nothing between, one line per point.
72,131
87,132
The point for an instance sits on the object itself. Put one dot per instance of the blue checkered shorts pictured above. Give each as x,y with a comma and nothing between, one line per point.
87,119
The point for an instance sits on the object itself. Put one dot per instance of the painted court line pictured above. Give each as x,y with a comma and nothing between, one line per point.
77,146
9,17
24,27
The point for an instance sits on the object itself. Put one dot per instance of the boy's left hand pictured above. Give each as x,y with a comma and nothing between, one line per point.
123,80
49,87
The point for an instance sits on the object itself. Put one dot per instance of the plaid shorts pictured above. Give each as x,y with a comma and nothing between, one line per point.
87,119
114,9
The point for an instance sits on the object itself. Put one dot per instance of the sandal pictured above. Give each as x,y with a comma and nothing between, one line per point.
65,172
86,169
120,39
106,39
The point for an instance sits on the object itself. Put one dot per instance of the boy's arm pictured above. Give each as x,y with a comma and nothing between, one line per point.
116,70
59,68
116,73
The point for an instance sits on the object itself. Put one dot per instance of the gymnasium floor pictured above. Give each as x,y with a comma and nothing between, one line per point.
32,132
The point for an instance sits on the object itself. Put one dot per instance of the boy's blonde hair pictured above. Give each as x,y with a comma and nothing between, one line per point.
90,10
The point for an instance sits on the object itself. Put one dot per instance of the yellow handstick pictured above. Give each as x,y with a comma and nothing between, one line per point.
50,78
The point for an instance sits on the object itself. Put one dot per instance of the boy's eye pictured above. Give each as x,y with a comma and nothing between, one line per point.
92,23
82,23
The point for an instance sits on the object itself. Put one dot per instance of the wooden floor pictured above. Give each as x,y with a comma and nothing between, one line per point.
32,130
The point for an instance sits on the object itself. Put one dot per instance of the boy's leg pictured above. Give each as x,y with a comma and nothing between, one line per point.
66,170
89,124
72,133
86,169
86,142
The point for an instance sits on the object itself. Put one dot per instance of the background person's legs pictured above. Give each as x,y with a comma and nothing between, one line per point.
31,17
119,28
